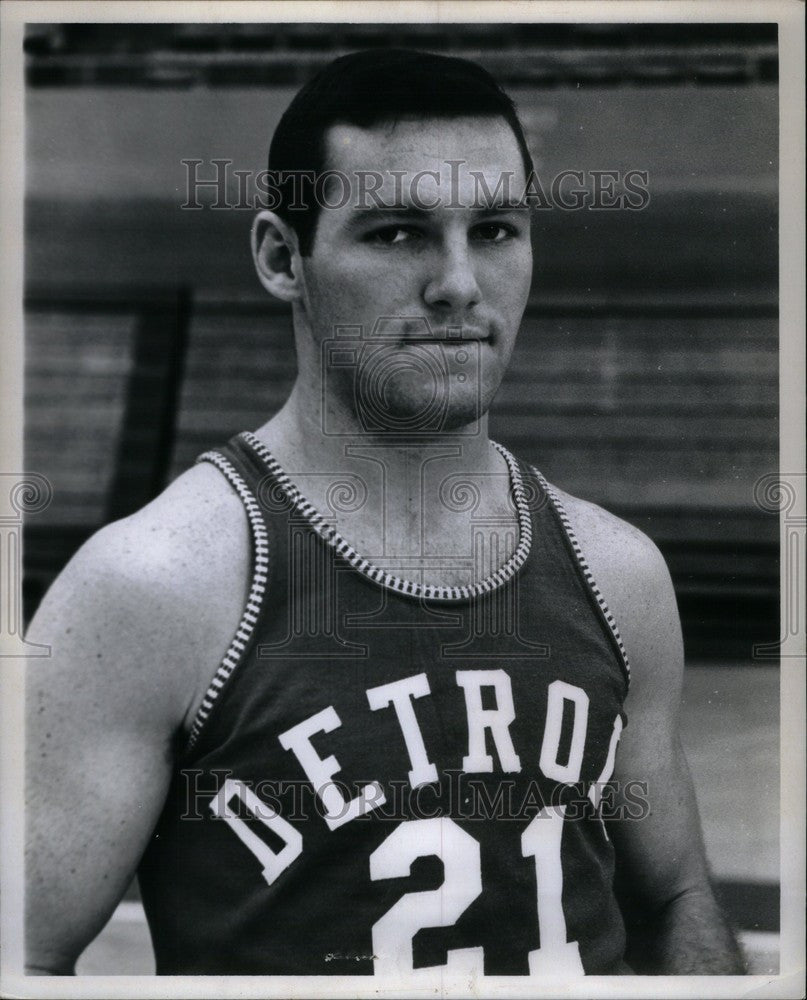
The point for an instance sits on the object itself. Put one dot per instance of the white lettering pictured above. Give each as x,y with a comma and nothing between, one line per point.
338,810
557,693
273,864
595,792
497,720
400,694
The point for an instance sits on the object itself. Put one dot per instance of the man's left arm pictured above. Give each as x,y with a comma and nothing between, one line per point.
674,924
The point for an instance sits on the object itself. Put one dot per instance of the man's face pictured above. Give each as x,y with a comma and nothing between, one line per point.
446,252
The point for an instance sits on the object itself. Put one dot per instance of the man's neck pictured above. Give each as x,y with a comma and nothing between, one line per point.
416,498
300,441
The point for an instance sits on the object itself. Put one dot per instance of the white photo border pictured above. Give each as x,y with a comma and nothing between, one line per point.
790,16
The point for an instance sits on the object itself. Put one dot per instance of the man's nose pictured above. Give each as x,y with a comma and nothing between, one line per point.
453,286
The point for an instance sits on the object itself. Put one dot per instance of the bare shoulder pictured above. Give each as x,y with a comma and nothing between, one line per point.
189,535
635,583
606,538
160,592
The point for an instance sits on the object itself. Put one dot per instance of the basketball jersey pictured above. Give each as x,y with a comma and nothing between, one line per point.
387,777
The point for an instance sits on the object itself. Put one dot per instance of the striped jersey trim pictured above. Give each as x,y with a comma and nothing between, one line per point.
581,559
331,536
249,618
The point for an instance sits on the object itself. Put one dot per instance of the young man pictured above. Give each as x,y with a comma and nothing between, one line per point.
347,695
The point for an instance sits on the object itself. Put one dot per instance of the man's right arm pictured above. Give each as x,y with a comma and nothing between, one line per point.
133,648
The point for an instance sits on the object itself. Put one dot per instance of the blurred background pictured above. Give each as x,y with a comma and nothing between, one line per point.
645,377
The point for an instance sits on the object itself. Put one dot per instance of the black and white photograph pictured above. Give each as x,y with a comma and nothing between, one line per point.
402,500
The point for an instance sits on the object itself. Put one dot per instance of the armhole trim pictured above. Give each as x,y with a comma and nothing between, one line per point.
257,591
609,619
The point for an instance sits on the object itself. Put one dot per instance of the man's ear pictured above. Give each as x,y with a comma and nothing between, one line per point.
274,249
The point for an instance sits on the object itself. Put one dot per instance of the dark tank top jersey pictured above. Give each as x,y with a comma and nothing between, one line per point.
392,778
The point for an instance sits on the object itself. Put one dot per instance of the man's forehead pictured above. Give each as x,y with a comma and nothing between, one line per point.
486,144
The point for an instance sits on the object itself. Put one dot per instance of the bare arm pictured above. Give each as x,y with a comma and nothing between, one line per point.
674,925
132,651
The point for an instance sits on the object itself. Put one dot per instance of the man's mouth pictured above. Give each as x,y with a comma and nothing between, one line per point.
457,335
419,330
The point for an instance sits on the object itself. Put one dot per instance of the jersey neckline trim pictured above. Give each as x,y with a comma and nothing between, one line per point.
411,588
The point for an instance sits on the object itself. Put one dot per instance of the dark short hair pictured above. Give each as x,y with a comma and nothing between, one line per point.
372,88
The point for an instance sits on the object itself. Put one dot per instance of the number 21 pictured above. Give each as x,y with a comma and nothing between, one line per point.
462,883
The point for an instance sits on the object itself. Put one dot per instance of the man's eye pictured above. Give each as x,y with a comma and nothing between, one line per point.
392,235
494,232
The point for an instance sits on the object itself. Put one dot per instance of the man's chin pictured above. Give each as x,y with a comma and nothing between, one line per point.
424,415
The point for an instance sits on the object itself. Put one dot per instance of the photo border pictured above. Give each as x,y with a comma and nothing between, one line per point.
790,16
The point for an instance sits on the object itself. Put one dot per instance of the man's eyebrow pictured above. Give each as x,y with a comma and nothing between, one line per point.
504,206
368,214
372,213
